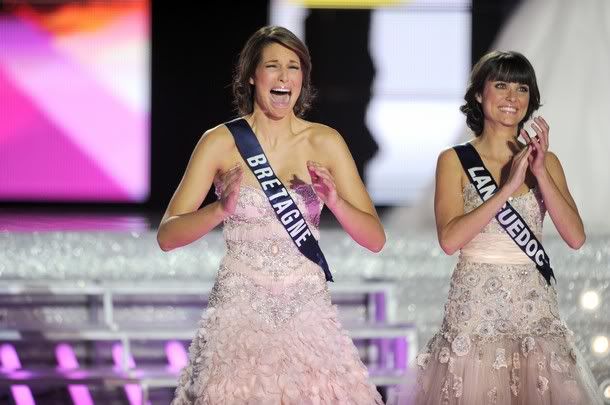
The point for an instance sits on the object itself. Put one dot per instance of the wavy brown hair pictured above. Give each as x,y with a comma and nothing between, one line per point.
249,58
510,67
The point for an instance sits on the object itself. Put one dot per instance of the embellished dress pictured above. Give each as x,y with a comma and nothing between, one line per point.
502,340
270,334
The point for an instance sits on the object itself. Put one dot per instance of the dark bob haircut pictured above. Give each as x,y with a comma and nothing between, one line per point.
249,58
511,67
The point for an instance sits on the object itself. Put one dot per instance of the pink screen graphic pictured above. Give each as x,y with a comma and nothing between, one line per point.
75,101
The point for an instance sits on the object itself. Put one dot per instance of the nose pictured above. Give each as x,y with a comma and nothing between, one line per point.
511,94
284,75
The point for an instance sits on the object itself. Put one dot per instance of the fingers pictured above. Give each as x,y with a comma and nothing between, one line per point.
318,170
542,122
532,140
544,126
524,151
539,143
231,180
316,167
236,180
542,129
230,190
320,189
522,158
540,137
525,136
230,175
319,173
323,181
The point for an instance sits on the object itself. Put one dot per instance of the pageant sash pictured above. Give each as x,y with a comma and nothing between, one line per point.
286,210
507,217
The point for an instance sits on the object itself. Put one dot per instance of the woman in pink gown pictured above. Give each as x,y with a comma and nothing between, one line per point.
270,334
502,340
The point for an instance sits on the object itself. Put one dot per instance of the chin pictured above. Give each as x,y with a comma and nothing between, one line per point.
278,114
510,122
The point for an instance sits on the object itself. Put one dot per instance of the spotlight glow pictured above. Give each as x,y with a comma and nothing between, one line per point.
605,390
589,300
600,345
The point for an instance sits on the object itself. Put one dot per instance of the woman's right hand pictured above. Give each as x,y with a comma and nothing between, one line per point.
518,169
230,183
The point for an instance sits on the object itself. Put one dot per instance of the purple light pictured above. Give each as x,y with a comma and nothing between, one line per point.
176,355
67,361
400,353
21,374
133,391
10,361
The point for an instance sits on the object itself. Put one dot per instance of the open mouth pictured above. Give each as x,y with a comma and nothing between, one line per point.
280,96
509,110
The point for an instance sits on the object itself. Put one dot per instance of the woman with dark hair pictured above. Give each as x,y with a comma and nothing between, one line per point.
502,340
270,334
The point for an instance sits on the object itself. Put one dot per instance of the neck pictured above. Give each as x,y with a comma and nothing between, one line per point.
269,129
498,142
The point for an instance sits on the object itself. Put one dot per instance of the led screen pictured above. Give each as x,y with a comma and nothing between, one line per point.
74,101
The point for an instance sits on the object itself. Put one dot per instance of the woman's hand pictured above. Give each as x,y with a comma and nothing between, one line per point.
540,144
518,168
323,184
230,183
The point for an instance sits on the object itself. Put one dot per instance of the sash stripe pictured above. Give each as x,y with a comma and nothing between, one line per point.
286,210
508,218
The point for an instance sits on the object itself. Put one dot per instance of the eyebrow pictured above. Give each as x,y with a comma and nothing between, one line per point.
277,60
506,81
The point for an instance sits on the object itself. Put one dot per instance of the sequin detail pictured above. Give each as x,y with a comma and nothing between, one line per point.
272,307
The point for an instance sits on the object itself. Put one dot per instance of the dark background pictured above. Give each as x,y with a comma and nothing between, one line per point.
194,49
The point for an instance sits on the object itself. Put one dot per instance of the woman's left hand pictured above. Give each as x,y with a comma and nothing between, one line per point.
540,144
323,184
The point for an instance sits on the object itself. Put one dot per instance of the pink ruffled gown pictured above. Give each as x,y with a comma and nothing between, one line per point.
270,334
502,340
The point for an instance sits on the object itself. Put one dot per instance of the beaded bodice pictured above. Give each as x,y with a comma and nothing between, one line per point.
492,244
263,268
529,205
254,235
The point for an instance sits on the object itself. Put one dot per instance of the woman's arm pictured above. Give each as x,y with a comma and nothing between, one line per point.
337,182
455,228
183,221
559,202
545,166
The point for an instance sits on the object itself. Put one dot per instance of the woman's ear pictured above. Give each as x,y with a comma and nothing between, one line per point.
478,98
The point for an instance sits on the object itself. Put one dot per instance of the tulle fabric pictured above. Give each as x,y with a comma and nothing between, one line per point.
500,373
240,360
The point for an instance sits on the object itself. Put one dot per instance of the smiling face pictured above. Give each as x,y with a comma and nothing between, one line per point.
504,103
502,90
277,81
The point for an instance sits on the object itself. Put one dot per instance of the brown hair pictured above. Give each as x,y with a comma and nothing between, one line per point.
249,58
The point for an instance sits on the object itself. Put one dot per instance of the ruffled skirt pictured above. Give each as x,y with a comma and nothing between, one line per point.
246,352
539,370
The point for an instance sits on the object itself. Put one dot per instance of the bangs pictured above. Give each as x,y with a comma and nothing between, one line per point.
512,69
